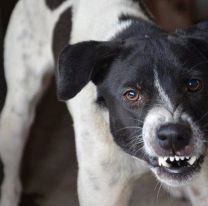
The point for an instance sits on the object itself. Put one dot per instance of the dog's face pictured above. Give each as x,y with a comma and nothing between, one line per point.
156,92
158,102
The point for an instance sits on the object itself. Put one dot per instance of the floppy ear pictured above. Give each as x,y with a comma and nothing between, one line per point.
198,31
82,62
197,36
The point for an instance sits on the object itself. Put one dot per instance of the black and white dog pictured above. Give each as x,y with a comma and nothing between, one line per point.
138,96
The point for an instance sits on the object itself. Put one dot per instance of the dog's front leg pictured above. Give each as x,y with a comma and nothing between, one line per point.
16,119
28,69
105,177
106,173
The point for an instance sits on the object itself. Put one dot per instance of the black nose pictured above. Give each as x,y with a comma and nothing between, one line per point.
174,136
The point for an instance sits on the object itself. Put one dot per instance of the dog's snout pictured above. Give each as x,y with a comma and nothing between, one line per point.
174,136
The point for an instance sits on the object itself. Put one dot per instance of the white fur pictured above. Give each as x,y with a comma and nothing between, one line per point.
99,155
28,68
119,28
94,142
28,61
159,116
155,118
85,21
164,97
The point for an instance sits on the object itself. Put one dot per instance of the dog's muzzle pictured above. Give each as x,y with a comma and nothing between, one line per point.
174,146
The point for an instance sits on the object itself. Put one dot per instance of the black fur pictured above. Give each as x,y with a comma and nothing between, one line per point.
88,59
53,4
134,55
62,32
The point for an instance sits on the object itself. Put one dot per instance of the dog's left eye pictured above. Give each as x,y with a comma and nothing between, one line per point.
132,95
194,85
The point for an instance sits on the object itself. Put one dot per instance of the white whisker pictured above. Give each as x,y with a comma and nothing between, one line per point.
159,190
129,127
138,120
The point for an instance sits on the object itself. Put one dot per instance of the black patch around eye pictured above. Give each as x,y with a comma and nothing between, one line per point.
53,4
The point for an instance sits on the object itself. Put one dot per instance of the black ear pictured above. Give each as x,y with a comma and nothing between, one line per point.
82,62
197,37
198,31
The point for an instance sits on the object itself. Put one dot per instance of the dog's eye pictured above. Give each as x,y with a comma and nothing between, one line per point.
132,95
194,85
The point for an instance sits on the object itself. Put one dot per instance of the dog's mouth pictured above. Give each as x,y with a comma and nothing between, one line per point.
183,165
176,169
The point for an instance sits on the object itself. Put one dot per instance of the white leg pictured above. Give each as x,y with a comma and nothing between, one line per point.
106,173
16,119
105,184
28,68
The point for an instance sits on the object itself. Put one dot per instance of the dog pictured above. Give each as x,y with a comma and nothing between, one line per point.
137,95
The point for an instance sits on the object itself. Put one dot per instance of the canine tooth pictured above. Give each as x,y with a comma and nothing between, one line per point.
162,162
165,164
182,158
172,159
177,158
187,157
160,159
192,160
165,158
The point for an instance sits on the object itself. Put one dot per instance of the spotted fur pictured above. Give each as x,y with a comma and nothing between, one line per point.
107,166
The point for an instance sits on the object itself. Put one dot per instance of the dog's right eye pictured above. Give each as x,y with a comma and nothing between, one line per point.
132,95
194,85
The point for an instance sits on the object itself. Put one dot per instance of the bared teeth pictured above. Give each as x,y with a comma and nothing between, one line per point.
165,158
165,161
192,160
172,159
177,158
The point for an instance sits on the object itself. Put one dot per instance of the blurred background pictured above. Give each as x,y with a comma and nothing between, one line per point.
49,166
